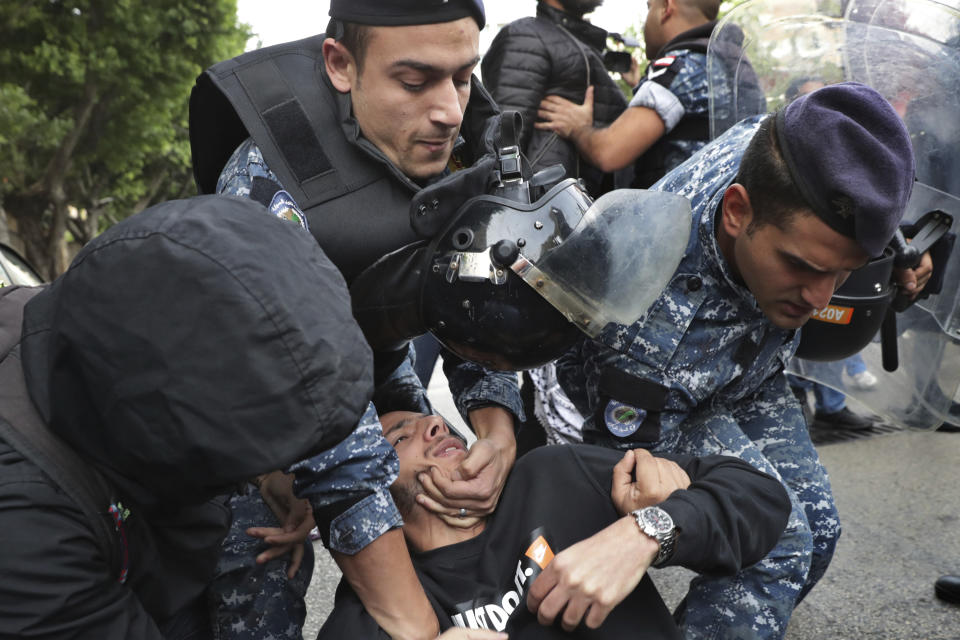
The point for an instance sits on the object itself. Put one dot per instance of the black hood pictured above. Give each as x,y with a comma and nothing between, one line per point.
195,345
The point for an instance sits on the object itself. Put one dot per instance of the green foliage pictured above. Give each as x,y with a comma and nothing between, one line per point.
639,52
93,105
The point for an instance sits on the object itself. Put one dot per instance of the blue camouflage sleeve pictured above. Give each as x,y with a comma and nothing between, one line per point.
474,387
357,472
244,165
402,389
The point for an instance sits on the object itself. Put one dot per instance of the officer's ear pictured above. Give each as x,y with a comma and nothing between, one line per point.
736,211
341,65
669,8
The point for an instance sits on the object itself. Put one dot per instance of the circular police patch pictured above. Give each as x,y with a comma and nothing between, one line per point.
623,420
284,206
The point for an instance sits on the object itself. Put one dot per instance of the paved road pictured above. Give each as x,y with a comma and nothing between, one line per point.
899,503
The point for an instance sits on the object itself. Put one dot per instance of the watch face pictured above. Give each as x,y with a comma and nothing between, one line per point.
659,519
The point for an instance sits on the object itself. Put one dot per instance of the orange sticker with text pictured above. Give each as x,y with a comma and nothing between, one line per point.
540,552
834,314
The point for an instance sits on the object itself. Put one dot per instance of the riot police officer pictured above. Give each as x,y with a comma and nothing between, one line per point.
339,131
777,227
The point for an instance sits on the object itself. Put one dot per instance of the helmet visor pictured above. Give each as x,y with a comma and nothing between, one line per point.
616,262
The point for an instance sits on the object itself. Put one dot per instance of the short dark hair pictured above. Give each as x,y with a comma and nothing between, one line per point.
354,37
774,197
709,8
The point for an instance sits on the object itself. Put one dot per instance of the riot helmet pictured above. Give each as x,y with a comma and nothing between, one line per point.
522,266
866,302
497,319
521,272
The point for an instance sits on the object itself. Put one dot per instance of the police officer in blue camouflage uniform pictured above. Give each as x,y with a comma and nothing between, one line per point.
784,208
668,118
294,127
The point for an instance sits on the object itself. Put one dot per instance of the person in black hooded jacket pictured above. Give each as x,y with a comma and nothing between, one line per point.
186,350
556,52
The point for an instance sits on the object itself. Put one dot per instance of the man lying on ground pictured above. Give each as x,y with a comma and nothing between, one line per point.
566,552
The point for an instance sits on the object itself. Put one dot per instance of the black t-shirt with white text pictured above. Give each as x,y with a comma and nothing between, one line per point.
557,496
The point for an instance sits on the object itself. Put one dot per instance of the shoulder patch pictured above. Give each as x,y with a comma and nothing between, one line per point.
283,206
664,70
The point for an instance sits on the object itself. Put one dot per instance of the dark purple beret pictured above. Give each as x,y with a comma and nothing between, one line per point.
394,13
850,156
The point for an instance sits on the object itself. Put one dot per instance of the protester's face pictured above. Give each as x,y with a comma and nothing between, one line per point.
652,30
795,271
421,442
410,95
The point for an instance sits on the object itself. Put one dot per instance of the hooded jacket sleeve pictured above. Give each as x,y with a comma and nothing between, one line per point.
55,582
730,516
349,619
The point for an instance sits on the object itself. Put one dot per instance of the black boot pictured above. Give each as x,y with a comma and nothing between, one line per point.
947,589
843,419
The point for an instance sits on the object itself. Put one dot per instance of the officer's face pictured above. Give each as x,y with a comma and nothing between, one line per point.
410,95
791,272
652,29
421,442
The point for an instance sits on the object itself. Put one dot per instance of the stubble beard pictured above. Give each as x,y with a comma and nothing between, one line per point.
405,494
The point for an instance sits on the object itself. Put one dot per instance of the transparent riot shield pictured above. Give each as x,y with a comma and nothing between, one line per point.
909,51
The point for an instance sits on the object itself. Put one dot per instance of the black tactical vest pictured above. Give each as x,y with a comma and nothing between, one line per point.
356,202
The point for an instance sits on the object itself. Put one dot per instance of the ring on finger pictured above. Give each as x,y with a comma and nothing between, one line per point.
463,512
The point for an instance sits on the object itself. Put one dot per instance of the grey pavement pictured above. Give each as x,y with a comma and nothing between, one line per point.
899,504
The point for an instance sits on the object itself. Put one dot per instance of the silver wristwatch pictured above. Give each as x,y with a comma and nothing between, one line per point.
657,523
